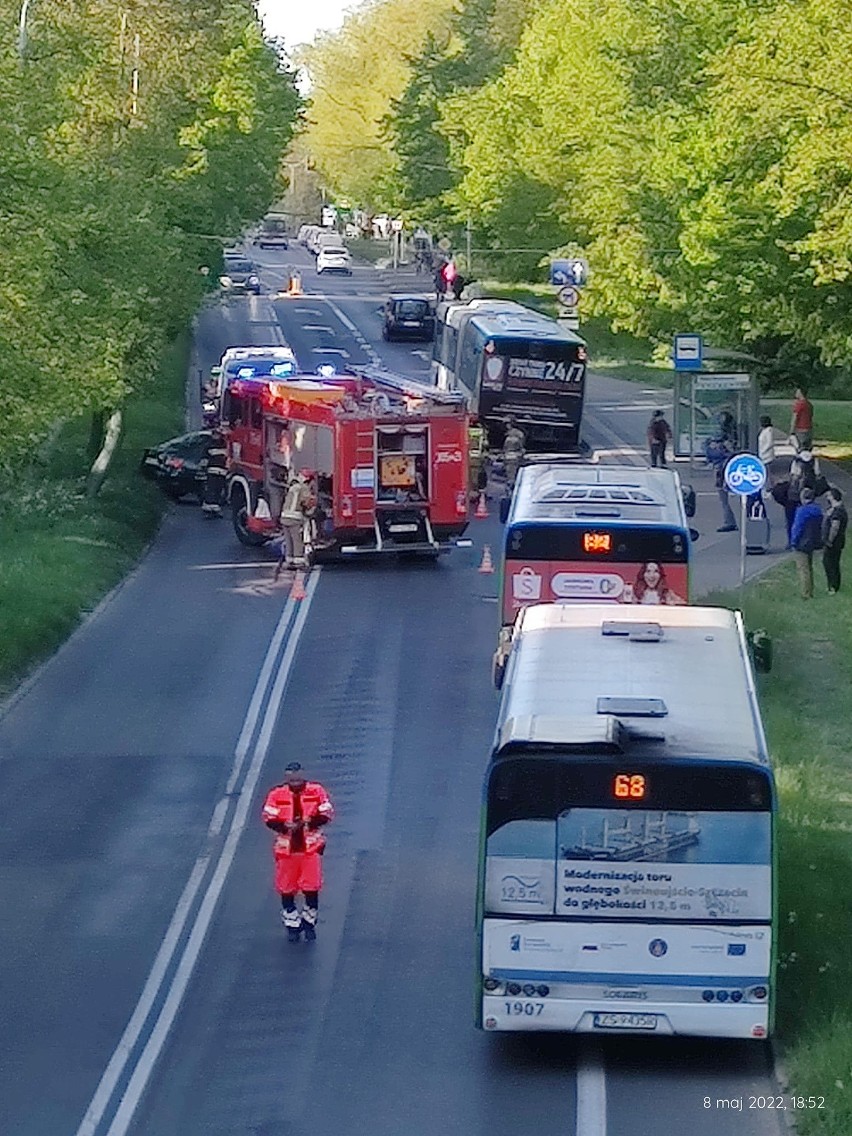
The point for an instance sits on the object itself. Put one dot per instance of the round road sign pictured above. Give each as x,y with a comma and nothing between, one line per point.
745,474
569,296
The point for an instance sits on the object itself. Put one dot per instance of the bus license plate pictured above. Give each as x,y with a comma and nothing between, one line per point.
626,1021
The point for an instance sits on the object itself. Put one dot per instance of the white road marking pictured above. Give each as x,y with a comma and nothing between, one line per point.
317,327
168,948
591,1092
234,564
347,323
331,351
154,1046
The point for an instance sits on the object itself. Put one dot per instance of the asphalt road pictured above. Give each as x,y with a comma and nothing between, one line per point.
147,987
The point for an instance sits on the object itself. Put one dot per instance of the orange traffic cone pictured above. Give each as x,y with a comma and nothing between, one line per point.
487,565
297,592
481,508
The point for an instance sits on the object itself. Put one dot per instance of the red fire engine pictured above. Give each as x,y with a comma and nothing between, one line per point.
388,456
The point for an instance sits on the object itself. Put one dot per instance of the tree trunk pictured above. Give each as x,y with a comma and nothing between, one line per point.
96,434
101,463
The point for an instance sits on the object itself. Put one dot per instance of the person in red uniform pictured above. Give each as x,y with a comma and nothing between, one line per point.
297,811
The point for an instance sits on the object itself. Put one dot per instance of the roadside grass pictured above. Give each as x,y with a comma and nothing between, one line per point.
808,716
832,426
365,249
60,552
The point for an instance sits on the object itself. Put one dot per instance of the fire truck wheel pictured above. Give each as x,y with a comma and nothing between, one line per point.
239,515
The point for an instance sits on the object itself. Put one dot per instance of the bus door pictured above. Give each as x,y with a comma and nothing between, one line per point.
627,896
593,561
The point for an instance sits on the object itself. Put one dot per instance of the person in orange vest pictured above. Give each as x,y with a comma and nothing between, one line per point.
297,811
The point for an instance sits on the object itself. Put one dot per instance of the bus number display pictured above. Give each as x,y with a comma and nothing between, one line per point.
629,786
597,542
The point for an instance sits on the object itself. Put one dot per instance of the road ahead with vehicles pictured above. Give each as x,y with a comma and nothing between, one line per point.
149,987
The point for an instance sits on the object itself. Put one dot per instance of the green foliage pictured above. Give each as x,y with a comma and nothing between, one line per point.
112,200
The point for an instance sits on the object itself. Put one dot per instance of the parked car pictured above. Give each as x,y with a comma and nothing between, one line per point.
272,232
179,465
408,317
334,258
240,275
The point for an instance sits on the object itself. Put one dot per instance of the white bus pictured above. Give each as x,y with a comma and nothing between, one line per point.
627,880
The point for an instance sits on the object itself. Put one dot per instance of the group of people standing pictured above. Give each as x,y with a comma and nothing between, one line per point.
810,529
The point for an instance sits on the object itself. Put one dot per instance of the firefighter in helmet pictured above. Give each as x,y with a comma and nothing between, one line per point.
514,446
477,457
217,472
297,811
298,501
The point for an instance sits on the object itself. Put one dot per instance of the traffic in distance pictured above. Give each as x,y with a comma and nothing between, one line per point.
626,875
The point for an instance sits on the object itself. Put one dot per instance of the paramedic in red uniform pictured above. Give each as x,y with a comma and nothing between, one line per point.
297,812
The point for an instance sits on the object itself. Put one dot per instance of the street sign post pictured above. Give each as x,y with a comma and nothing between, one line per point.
745,474
573,271
688,352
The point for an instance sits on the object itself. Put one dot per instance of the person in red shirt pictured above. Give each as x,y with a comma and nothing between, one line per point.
802,420
297,811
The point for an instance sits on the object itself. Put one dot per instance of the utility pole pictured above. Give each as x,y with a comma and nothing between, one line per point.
468,235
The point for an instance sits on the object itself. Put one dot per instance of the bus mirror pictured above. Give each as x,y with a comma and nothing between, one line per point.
694,534
760,645
505,503
688,500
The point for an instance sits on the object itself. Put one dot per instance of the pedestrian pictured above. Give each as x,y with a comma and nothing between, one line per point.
659,434
514,447
806,538
297,810
833,538
216,475
719,451
766,442
457,286
802,421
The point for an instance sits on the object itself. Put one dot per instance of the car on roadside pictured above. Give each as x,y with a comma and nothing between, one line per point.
239,274
179,465
334,258
408,317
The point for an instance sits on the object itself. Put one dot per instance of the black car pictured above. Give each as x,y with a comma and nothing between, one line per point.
239,275
178,466
408,317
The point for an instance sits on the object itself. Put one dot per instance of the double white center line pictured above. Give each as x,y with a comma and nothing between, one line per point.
163,979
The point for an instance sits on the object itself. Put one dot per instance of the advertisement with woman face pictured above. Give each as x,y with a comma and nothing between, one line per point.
549,581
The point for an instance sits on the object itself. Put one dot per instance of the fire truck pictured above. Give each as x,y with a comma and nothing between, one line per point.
388,458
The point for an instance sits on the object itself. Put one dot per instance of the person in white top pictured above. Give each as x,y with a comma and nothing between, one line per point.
766,441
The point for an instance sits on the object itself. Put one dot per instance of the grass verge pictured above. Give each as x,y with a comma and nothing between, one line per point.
61,552
832,425
808,717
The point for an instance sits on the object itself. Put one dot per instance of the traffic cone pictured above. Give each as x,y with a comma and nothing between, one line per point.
297,592
481,508
487,565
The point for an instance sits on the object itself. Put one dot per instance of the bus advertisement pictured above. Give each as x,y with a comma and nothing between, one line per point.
627,855
593,533
516,364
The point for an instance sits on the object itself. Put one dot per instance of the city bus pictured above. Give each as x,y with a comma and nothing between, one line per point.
627,879
513,363
588,533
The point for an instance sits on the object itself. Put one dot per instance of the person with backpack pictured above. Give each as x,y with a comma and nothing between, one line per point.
659,434
805,473
806,538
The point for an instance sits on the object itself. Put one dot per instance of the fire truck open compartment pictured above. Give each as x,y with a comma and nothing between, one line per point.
389,455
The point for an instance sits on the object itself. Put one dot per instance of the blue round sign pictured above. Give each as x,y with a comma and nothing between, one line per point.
745,474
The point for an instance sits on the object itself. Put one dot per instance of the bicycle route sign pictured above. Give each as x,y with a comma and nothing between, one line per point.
745,474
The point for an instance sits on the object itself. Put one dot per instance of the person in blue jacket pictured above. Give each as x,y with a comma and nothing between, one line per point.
806,539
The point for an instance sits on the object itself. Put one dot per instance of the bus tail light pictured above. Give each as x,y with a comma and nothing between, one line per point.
542,991
492,986
346,505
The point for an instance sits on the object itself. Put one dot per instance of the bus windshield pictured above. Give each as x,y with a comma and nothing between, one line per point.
572,838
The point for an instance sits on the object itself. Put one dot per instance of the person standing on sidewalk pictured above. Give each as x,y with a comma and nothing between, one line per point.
833,538
659,435
766,442
806,539
802,420
718,452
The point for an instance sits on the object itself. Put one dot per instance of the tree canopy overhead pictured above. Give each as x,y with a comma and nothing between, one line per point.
134,140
